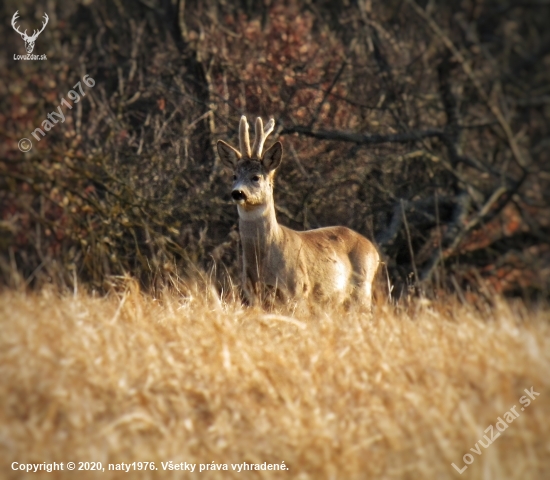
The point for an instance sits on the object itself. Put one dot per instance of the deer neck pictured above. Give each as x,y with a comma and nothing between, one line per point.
258,227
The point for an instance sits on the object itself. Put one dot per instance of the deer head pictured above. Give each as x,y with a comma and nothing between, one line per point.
253,169
29,41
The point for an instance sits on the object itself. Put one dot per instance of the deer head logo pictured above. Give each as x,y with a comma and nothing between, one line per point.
29,41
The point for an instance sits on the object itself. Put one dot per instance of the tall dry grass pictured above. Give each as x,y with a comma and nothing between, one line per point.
189,378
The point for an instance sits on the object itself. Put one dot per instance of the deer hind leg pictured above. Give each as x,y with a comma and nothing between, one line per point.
363,278
362,291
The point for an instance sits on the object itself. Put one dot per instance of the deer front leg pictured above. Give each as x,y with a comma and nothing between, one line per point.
251,290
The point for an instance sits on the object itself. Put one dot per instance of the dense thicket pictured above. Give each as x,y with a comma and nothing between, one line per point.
423,125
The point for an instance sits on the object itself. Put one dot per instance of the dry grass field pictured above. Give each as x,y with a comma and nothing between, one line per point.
185,377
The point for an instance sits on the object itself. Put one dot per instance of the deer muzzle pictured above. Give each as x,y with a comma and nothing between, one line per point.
238,195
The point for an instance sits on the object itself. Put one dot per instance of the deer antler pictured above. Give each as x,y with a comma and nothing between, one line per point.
15,27
260,136
38,32
244,139
24,35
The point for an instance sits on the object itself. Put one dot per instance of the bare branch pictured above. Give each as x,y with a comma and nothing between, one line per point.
493,106
362,139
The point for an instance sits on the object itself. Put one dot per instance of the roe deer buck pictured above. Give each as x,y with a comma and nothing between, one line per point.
327,263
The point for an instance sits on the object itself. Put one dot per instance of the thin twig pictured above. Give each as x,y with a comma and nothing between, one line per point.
411,251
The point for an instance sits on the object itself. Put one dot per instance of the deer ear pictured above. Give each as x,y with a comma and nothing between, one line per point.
272,157
228,155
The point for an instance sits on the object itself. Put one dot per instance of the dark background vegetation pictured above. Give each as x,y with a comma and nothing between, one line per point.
424,125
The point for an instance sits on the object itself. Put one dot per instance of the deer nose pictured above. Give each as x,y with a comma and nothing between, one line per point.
238,195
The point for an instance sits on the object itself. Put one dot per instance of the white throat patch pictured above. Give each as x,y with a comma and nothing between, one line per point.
252,215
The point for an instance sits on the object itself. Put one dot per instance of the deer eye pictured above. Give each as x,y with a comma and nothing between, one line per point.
234,177
255,178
